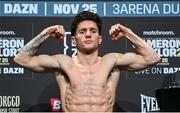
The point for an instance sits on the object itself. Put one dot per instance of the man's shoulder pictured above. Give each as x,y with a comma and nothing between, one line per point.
61,57
111,58
111,55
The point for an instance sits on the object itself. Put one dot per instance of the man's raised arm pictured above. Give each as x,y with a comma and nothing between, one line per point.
27,58
144,56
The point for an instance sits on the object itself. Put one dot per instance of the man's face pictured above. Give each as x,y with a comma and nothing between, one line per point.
87,36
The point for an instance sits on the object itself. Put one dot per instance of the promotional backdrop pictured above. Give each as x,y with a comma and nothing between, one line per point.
155,22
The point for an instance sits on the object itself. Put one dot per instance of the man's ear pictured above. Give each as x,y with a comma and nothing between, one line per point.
100,39
73,40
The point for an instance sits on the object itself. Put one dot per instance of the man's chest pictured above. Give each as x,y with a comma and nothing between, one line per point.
87,76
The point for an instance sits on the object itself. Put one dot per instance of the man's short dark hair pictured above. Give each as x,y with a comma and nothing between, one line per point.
85,15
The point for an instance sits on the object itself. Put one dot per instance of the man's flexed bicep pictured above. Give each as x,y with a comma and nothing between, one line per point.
27,55
144,54
41,63
132,61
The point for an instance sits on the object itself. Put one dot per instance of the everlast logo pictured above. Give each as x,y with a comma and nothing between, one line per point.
148,104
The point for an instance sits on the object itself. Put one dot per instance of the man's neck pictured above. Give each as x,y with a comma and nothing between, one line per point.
87,59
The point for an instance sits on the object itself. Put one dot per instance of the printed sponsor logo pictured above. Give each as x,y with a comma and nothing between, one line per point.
10,103
69,47
55,104
148,104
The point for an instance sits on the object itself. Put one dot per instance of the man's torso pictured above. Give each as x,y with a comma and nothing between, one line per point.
88,88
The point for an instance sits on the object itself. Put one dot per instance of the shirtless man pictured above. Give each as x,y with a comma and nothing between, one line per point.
87,82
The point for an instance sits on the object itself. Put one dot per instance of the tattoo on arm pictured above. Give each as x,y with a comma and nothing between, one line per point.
32,46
